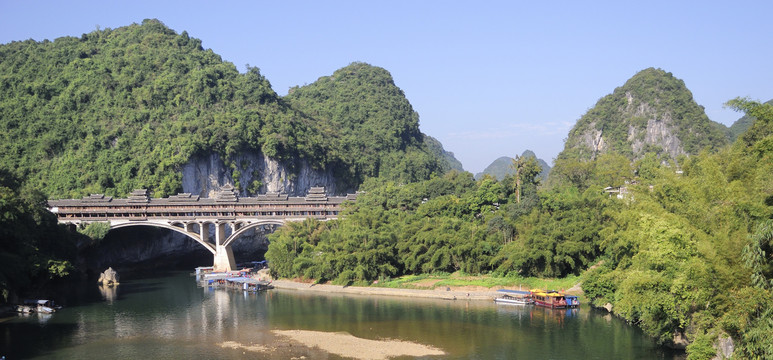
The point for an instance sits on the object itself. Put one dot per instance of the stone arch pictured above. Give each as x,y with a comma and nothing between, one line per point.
235,235
193,236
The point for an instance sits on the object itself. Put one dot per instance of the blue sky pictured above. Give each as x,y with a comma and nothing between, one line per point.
488,79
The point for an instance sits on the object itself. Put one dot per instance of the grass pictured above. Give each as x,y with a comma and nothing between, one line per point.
433,281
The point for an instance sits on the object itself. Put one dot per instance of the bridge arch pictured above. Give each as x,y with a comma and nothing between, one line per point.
236,234
181,212
171,226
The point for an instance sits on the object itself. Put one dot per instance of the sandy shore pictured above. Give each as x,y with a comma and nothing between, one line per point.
456,293
347,345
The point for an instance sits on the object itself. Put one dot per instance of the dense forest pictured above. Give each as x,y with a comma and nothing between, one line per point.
77,112
371,129
34,249
681,251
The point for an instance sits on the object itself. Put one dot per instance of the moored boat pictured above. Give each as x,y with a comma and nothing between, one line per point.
247,284
549,298
514,297
39,306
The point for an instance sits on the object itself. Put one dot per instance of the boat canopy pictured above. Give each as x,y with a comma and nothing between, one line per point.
547,293
517,292
242,280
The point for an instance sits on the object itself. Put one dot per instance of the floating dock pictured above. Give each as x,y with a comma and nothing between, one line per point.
236,280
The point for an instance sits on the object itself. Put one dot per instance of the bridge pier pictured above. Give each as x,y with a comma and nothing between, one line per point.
224,255
204,232
224,259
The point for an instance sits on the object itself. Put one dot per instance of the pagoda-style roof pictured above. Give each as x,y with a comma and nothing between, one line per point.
139,196
227,194
316,193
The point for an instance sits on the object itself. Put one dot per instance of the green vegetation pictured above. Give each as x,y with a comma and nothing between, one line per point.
621,118
370,128
441,280
445,224
126,108
33,248
96,230
678,251
503,166
742,125
435,147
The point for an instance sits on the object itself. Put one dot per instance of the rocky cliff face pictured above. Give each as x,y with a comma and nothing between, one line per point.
652,112
660,130
255,173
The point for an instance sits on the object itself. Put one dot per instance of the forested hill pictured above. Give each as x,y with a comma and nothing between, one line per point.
652,112
119,109
364,113
436,147
744,123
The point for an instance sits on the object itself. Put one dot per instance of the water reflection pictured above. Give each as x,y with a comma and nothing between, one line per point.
171,317
109,293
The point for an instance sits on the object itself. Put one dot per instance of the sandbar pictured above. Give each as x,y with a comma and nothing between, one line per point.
347,345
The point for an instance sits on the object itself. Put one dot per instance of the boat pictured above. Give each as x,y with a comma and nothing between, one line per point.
549,298
25,309
247,284
514,297
39,306
572,301
201,270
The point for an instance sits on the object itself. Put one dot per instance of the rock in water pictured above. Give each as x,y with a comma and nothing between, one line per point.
109,277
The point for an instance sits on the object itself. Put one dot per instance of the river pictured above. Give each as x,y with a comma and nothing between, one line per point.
166,316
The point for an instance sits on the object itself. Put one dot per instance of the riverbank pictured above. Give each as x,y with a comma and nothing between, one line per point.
446,293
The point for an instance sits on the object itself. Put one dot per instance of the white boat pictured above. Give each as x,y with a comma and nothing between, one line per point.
514,297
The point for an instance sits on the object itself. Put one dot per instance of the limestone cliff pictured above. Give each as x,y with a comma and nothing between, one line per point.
652,112
255,173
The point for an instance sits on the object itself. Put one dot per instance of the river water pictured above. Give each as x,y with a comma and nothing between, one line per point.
167,316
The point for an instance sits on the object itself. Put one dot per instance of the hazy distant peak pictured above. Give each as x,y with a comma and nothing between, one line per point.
502,166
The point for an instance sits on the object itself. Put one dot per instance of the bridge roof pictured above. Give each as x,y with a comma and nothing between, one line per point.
98,200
